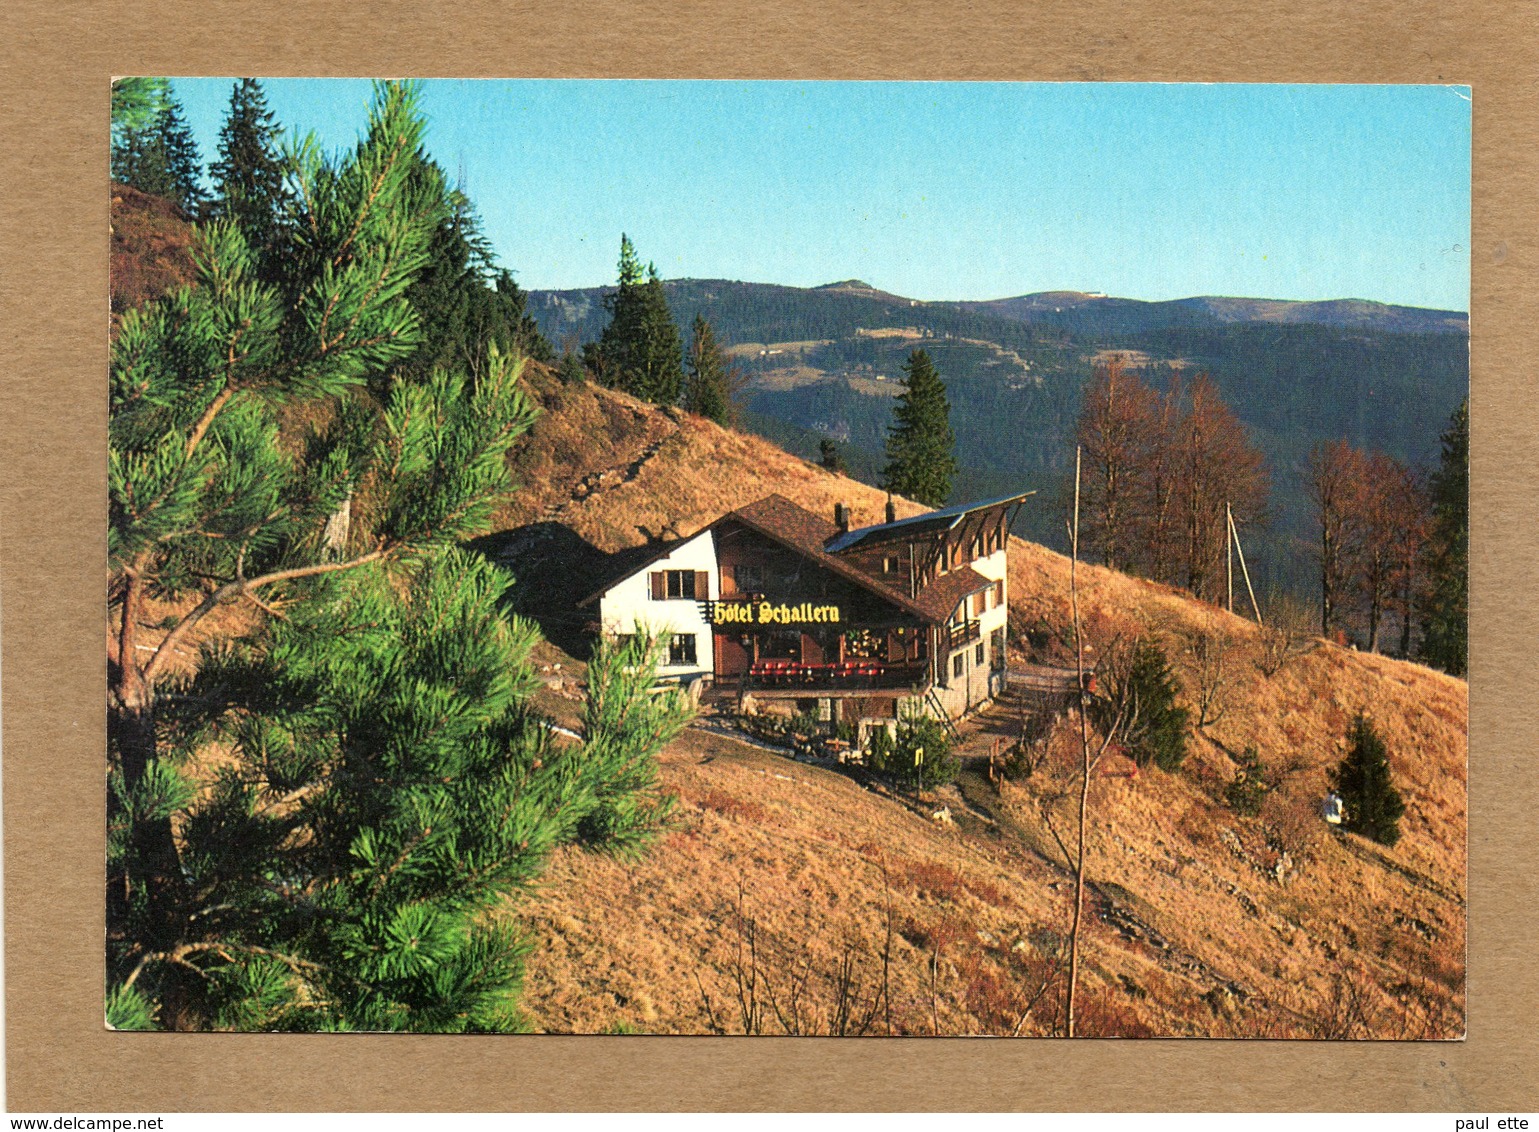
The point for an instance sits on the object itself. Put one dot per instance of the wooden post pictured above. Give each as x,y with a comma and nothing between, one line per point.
1229,554
1084,746
1235,533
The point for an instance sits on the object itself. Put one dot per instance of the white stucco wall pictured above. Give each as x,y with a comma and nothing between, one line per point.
628,604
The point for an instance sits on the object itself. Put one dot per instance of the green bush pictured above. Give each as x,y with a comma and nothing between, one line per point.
921,753
879,750
1373,806
1245,793
1142,696
805,724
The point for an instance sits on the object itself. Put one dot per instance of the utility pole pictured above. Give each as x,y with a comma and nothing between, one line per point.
1234,533
1084,746
1229,554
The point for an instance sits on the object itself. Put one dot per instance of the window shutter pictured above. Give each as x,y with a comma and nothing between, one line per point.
702,585
659,585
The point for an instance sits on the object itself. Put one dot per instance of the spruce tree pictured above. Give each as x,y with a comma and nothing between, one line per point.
248,177
1373,807
829,457
920,463
1141,701
639,351
1445,608
465,303
383,781
706,387
160,157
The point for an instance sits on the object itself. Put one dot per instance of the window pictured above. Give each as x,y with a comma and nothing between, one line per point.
890,564
999,592
978,655
673,585
978,601
958,665
681,649
749,579
997,648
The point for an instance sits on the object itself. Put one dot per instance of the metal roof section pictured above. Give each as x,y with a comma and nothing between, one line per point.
947,518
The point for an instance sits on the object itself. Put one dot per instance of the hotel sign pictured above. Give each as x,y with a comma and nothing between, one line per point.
745,614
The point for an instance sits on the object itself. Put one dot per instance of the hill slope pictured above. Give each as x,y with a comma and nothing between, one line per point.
1205,922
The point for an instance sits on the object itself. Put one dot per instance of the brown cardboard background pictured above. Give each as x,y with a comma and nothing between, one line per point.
54,71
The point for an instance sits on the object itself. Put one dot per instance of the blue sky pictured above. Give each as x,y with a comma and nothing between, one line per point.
947,190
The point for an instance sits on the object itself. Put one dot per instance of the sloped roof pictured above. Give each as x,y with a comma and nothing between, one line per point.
929,523
778,518
792,525
624,563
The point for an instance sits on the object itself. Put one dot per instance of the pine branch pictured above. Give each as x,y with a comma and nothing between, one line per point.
240,587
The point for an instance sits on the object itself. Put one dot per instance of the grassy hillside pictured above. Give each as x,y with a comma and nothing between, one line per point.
807,883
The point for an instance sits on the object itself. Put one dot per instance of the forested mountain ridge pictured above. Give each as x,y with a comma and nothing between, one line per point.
824,363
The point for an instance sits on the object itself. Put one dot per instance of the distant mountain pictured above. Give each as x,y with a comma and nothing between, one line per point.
826,361
1085,312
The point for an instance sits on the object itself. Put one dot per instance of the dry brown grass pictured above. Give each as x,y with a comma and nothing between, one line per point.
1197,936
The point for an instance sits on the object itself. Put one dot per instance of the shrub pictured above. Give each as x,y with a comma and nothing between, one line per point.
1142,695
922,752
1373,806
806,724
1249,786
879,750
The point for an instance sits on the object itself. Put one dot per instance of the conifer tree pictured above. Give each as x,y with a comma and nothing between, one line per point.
464,302
707,385
639,351
136,103
1445,611
386,782
1141,702
160,157
248,177
920,463
1372,804
829,457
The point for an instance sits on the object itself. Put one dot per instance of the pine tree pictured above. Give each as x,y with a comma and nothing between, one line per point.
1141,702
707,386
464,302
161,157
920,463
386,783
639,351
248,177
1445,609
1372,804
829,457
137,103
571,370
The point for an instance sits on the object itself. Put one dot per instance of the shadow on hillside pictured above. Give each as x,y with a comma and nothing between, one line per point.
555,568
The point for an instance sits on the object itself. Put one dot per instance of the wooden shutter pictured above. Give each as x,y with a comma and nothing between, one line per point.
702,585
659,585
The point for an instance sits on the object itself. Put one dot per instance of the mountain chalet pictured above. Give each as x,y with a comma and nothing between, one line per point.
787,611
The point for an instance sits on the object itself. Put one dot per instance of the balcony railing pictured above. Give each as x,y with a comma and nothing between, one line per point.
853,676
964,634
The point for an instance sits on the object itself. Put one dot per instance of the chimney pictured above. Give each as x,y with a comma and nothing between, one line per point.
892,510
842,516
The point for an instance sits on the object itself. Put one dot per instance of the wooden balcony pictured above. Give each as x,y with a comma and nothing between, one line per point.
963,634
